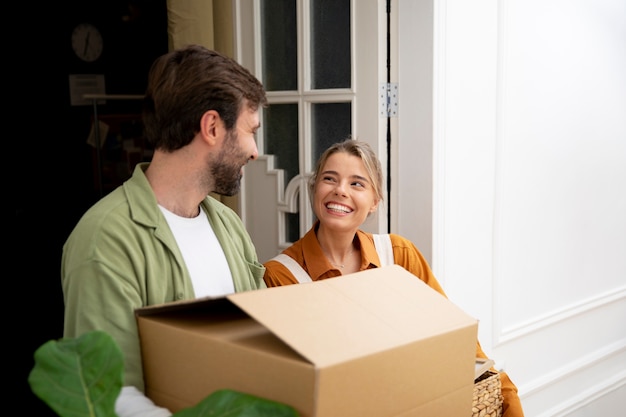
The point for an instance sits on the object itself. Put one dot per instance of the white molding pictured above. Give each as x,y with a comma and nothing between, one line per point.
297,186
587,397
589,382
573,367
562,314
581,383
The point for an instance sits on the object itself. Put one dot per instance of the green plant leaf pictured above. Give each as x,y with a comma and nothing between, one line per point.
229,403
83,377
79,377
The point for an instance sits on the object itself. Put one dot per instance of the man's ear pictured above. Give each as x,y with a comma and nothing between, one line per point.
210,124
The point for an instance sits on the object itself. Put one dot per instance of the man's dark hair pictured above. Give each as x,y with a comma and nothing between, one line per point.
186,83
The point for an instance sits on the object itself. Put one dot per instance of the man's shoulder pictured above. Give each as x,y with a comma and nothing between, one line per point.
109,204
101,214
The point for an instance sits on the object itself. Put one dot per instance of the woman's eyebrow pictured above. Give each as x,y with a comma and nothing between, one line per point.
360,178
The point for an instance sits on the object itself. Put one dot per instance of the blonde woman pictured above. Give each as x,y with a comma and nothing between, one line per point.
345,189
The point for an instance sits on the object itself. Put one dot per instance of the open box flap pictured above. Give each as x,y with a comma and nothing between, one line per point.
344,318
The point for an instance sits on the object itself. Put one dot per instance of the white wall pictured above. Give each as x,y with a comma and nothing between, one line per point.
511,151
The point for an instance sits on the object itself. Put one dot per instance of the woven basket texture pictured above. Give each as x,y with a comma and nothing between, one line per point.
487,400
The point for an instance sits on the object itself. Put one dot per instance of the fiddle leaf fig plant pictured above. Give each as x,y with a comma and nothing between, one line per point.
79,377
82,377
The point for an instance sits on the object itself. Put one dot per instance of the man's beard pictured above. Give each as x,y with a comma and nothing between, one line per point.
226,171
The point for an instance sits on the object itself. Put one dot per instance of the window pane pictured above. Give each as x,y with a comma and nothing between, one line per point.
330,44
292,225
331,123
280,131
279,45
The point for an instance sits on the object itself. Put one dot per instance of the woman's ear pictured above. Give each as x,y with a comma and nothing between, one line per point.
374,206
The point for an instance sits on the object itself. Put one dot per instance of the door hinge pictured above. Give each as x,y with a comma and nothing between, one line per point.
388,100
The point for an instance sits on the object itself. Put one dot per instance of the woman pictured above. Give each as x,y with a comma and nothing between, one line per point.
345,189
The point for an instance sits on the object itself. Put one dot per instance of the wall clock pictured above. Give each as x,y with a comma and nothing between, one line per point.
87,42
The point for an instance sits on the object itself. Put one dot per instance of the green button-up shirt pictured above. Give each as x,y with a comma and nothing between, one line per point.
122,256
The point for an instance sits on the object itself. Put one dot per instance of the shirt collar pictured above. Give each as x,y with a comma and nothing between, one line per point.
319,266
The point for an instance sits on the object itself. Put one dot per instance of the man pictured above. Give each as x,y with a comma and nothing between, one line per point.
159,237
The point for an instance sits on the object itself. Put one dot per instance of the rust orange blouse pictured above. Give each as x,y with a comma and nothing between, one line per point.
308,253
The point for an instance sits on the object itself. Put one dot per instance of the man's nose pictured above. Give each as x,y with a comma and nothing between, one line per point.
255,153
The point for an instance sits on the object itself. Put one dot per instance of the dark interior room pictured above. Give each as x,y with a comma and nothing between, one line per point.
65,175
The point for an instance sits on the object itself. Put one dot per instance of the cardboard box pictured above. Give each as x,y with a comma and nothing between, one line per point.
375,343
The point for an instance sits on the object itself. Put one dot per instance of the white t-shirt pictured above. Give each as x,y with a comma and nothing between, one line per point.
203,254
210,276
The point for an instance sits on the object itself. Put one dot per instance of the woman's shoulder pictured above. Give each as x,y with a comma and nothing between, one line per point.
396,240
399,239
296,250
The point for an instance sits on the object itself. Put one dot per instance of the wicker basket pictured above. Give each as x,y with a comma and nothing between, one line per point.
487,401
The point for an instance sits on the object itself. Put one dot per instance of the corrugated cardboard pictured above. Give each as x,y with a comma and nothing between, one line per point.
376,343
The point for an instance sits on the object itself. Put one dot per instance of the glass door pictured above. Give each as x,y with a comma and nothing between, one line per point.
322,63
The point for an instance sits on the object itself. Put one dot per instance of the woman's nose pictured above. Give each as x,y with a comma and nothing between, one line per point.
340,189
